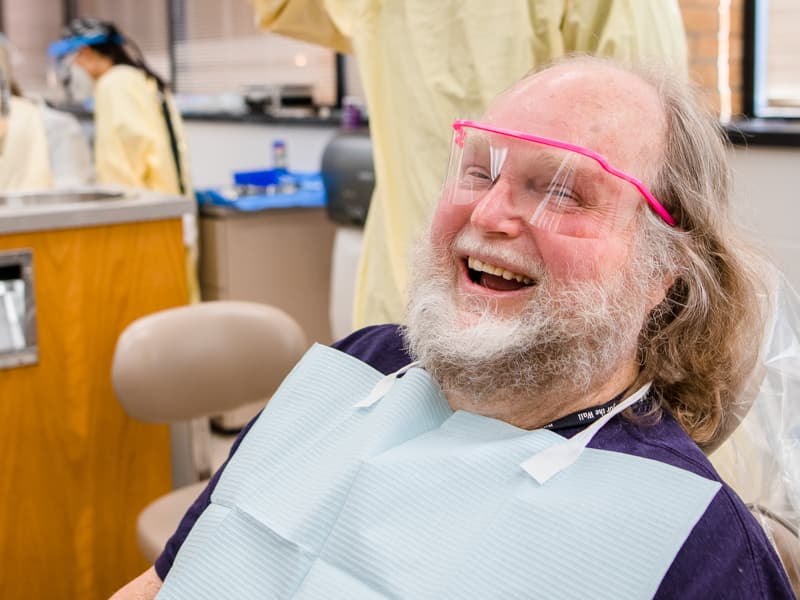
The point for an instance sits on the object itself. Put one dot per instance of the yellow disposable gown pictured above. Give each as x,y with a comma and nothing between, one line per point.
425,63
132,145
24,162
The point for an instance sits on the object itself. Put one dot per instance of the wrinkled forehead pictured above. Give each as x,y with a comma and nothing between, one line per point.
611,112
495,152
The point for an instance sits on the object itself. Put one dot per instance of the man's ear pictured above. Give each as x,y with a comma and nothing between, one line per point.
659,291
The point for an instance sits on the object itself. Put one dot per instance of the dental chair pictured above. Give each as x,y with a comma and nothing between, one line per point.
760,455
180,366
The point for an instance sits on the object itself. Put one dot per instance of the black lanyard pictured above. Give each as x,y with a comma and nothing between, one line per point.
173,141
585,416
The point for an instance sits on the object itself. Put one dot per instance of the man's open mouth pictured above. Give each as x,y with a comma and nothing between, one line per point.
496,278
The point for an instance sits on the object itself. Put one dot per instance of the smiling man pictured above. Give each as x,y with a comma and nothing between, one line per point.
582,323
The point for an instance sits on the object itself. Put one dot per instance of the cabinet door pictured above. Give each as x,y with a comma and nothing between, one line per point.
280,257
75,470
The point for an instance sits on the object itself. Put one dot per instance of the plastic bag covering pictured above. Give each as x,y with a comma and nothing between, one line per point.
761,458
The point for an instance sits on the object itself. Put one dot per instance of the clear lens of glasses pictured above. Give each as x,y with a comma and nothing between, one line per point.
553,189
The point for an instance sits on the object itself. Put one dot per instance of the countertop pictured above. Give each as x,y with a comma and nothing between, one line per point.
87,206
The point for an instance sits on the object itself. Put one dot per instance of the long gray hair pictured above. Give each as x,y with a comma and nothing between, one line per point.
701,344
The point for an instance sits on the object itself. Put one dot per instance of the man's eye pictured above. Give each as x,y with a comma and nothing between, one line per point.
566,196
477,174
563,194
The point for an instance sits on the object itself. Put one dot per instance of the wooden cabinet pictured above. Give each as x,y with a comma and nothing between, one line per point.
280,257
75,470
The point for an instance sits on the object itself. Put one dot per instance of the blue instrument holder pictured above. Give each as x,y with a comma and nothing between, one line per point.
261,190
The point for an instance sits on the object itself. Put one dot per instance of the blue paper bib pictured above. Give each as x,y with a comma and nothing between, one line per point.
406,499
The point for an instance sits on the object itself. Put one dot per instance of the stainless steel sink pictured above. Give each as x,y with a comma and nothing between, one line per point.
23,199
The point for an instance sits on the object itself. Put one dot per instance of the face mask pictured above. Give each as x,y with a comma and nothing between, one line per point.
79,85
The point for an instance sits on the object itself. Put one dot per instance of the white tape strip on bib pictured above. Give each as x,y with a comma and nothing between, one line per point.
383,386
556,458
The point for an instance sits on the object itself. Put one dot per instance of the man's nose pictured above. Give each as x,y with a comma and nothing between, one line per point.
496,212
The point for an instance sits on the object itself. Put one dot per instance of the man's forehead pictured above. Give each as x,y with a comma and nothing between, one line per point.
479,146
599,107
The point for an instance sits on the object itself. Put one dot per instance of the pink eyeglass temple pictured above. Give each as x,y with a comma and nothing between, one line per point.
659,209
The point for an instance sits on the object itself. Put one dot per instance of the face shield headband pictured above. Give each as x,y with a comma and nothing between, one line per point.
554,185
66,46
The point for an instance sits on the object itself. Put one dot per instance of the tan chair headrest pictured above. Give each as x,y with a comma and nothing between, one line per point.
203,359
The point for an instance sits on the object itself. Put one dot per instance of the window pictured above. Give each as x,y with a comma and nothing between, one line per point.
203,47
772,62
143,21
218,49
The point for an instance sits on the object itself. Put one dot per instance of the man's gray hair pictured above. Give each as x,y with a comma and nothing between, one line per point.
702,342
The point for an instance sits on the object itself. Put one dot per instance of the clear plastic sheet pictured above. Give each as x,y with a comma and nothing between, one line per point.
761,458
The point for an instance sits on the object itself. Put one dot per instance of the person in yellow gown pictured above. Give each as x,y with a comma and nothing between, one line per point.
47,147
424,64
24,161
139,137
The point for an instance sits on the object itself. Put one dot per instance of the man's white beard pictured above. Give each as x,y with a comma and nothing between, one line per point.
569,340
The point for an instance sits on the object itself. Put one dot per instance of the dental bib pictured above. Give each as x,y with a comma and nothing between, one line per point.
400,497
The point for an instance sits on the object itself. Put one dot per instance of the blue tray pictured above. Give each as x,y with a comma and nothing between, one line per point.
310,192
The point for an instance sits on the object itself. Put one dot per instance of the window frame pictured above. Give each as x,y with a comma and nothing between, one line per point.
754,66
70,11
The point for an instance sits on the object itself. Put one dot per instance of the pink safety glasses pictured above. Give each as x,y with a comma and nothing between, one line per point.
558,185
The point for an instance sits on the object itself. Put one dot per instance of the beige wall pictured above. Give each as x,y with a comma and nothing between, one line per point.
766,181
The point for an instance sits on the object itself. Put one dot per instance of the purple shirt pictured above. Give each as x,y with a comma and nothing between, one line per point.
727,555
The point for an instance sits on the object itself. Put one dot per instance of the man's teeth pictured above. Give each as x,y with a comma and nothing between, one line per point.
476,265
